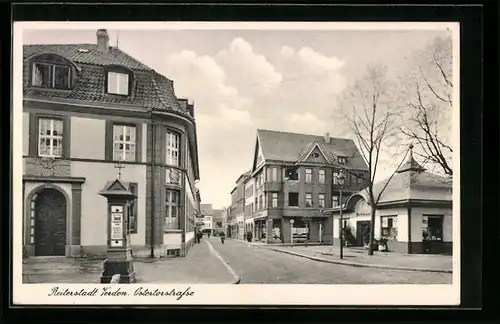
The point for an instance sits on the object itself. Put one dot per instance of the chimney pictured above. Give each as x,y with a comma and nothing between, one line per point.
102,40
327,138
191,109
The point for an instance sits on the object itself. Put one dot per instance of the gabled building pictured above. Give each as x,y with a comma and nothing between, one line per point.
414,212
295,178
92,113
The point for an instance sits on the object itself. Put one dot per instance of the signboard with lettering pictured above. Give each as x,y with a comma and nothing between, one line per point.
116,224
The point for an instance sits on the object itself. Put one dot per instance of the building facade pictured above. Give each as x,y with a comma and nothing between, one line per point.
92,113
414,212
295,178
237,207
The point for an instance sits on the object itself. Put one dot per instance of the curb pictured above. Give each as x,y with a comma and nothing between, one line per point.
348,263
236,278
362,265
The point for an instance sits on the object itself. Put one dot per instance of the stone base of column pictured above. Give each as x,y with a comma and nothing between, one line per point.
119,263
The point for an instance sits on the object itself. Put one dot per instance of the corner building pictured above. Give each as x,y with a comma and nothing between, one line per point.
89,112
295,178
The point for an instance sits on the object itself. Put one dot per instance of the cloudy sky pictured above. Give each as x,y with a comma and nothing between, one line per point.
241,80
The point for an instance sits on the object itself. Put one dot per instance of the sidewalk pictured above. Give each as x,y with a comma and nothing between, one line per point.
200,266
360,258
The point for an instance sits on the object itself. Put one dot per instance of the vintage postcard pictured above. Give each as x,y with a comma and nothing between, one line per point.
236,163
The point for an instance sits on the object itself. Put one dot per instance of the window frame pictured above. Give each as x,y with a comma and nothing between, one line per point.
321,198
342,160
34,134
432,216
391,226
168,159
169,205
50,137
308,197
133,207
52,70
297,172
124,142
289,195
335,198
274,199
335,178
308,175
119,70
109,145
322,176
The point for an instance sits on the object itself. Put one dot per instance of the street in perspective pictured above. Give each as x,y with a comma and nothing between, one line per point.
245,156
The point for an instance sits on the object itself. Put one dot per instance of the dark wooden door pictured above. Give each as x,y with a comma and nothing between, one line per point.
362,232
50,223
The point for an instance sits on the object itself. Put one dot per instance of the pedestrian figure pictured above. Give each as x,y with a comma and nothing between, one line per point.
208,234
200,235
222,237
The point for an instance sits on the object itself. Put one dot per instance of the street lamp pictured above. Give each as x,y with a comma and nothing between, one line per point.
340,181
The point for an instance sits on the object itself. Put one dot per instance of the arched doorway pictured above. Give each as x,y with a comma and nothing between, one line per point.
50,223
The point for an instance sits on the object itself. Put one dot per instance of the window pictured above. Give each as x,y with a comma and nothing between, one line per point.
293,199
53,76
321,200
261,202
335,201
172,157
132,210
322,176
335,178
308,199
432,228
292,173
342,160
274,174
118,83
389,226
124,143
50,139
274,199
172,209
308,175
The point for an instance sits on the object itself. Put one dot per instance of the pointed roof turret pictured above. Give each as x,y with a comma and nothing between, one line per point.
410,164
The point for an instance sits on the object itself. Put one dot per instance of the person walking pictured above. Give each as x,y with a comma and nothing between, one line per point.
208,234
222,237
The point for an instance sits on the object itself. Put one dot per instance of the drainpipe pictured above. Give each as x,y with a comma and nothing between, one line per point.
153,149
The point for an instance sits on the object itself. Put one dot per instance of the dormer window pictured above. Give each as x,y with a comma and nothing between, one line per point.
342,160
118,83
50,75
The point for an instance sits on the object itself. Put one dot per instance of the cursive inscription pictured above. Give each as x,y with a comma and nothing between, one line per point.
141,291
113,291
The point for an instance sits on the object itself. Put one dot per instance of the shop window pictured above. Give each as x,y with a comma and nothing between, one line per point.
292,173
432,227
293,199
389,226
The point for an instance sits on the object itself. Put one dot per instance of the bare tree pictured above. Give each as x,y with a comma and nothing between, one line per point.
428,93
372,115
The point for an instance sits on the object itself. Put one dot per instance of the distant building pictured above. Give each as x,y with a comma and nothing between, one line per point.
213,219
414,213
294,177
87,107
238,206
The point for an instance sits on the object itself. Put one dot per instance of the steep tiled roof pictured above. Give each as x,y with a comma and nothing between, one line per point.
289,147
151,89
86,54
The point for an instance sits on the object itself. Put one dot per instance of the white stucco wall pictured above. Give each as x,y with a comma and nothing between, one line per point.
87,138
172,240
26,130
189,236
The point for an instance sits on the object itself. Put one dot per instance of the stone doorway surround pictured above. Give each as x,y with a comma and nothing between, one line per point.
73,211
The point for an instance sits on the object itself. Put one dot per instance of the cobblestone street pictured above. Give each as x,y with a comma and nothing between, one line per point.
258,265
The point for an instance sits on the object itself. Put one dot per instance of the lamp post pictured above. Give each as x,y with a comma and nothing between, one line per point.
340,181
291,231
